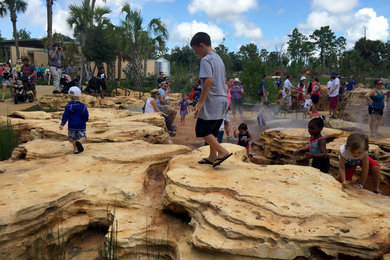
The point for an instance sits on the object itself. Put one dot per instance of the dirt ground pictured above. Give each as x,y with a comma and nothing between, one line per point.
9,107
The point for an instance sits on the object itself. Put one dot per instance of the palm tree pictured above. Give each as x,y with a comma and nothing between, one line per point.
137,37
81,18
49,8
13,7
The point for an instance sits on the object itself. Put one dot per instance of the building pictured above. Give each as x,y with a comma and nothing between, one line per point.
35,51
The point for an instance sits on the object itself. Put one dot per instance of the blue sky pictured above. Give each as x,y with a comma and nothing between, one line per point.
264,22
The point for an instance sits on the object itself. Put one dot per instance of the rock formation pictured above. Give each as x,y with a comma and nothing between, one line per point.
277,146
105,125
274,212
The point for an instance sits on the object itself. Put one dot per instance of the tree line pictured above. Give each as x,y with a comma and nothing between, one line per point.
135,40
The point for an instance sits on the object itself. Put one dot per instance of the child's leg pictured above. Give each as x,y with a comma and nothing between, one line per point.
184,119
376,172
4,88
216,148
73,142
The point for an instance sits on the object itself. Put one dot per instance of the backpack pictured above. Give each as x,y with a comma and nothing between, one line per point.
192,94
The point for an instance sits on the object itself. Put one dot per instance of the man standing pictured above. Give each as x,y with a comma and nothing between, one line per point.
333,95
55,62
287,86
161,78
72,70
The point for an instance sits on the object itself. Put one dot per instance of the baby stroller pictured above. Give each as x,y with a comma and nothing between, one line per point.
23,92
93,86
67,82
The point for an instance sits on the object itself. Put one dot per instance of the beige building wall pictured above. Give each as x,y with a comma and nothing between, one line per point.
39,56
36,56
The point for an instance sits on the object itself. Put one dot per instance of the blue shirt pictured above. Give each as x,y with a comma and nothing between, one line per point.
76,113
161,92
263,83
350,85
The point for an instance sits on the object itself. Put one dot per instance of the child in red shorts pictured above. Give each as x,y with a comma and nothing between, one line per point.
355,153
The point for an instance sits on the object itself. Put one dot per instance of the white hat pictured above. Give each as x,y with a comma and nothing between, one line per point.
303,78
74,92
236,79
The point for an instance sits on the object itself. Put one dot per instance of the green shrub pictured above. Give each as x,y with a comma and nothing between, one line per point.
8,140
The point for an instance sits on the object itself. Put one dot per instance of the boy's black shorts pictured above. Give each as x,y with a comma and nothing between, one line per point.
206,127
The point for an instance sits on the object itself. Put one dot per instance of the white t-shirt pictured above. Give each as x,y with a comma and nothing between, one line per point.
286,85
352,162
149,107
335,86
307,104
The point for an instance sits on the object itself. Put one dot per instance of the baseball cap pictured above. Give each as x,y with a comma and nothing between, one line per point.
236,79
334,73
74,92
303,78
154,91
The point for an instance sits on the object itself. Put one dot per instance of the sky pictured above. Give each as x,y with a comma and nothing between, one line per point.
266,23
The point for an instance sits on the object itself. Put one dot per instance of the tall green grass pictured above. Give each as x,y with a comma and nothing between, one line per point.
8,140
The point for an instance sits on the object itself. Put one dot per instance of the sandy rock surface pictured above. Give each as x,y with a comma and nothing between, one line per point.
274,212
105,125
55,191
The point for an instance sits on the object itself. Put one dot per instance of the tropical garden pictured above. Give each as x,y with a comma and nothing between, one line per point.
97,40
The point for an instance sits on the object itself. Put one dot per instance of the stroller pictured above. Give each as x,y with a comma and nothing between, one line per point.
23,92
93,86
67,82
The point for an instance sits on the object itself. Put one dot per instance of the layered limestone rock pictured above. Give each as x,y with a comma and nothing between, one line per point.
59,101
56,200
105,125
277,146
274,212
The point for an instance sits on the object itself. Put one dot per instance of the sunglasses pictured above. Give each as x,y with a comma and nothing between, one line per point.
380,83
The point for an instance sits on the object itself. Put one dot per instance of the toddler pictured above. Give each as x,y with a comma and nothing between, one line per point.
316,149
243,135
76,114
183,108
355,153
307,106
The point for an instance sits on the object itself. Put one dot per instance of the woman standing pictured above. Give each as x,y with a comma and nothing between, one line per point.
376,104
7,76
236,91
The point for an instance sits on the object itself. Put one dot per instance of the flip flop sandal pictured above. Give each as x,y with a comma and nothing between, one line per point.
378,192
205,161
218,161
79,146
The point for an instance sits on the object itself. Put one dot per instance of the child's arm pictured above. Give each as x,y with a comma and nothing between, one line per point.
205,91
365,166
64,118
85,114
342,170
235,132
249,137
153,102
302,150
322,146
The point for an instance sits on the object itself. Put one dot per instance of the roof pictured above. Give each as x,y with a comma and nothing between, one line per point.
32,43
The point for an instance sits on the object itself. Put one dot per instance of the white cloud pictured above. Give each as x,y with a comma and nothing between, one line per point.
221,8
340,16
334,6
247,29
59,22
377,28
183,32
35,14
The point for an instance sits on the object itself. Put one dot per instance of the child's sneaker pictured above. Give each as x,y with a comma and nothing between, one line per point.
80,147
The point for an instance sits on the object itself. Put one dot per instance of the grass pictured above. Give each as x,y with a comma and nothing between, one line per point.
8,140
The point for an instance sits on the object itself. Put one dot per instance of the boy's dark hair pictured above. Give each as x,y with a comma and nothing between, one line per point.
357,140
201,37
161,72
25,59
243,126
318,121
264,76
